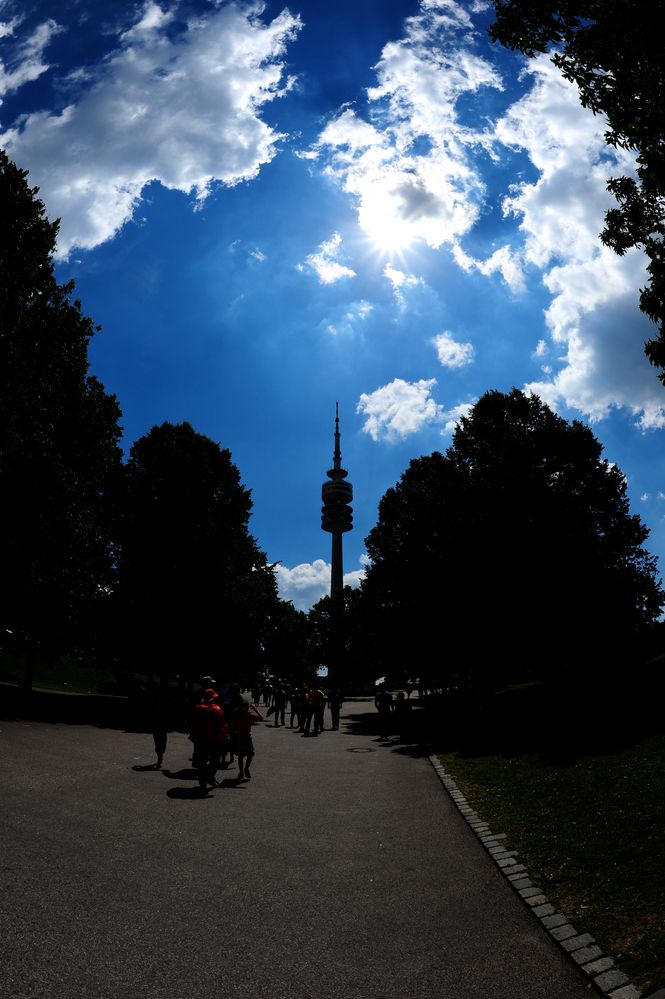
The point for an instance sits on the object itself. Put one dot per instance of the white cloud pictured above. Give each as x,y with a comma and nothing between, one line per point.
7,28
304,584
324,262
399,409
349,134
401,282
451,353
399,279
504,261
454,415
409,169
26,60
413,171
151,22
593,318
258,255
348,319
182,109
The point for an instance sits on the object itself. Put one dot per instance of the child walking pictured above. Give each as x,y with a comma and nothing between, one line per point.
241,722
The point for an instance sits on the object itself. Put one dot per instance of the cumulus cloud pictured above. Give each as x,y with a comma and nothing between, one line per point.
415,170
304,584
453,416
504,261
179,108
451,353
325,263
399,409
593,318
409,168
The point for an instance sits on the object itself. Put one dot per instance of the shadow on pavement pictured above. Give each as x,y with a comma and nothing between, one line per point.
189,793
198,793
413,741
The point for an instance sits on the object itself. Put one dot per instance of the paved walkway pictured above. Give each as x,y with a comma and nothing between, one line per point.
340,871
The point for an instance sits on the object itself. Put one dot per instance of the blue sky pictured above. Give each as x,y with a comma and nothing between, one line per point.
271,209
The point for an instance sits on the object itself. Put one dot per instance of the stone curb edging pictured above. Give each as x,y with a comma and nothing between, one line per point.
580,947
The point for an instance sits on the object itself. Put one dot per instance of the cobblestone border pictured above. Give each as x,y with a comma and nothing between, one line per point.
580,947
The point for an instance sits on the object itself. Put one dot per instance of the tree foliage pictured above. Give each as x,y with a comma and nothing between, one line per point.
515,552
59,433
194,587
286,645
341,637
613,51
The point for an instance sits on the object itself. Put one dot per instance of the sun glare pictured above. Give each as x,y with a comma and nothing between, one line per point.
389,235
386,229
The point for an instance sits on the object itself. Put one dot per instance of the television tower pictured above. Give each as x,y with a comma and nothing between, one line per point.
336,513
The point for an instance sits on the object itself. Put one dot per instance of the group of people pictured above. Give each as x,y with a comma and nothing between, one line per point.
218,731
222,719
306,706
392,712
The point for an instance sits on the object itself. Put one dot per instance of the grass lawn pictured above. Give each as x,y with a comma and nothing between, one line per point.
592,835
60,674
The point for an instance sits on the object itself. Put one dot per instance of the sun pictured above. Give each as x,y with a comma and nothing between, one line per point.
386,231
382,219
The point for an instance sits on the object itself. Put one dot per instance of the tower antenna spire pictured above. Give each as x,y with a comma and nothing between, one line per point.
337,454
336,512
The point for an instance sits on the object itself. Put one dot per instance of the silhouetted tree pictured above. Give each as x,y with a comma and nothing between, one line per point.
59,433
195,589
613,51
341,638
286,643
513,554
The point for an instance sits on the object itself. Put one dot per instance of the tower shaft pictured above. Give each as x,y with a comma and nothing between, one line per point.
337,567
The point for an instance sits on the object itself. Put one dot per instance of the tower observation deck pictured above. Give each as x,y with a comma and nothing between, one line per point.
336,513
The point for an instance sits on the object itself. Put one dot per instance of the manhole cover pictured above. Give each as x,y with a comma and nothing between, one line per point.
361,749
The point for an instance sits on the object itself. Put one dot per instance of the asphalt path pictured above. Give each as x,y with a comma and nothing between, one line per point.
340,870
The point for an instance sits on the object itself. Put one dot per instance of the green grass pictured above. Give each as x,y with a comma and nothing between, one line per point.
60,674
592,835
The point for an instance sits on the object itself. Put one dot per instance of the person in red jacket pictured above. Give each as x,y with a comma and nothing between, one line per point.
242,721
209,733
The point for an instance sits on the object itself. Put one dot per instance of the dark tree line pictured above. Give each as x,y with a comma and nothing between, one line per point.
59,434
194,591
512,556
148,562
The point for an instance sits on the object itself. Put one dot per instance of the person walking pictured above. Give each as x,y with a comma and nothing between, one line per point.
306,710
383,702
159,708
242,721
279,704
295,704
402,712
209,733
335,701
318,699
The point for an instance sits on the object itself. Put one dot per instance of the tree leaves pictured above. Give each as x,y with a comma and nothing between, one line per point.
517,547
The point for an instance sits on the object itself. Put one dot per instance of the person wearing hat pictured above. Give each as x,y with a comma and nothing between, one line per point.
209,733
